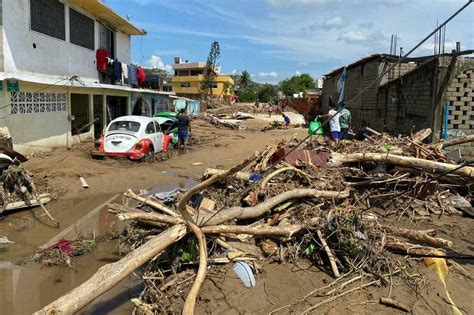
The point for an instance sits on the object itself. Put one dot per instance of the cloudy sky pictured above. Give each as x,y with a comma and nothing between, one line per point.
274,39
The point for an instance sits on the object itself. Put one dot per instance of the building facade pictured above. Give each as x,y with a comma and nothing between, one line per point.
425,92
188,78
52,92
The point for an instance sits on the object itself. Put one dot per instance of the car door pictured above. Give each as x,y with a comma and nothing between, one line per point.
151,134
159,138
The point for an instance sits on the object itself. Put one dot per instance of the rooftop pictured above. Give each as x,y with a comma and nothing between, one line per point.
109,16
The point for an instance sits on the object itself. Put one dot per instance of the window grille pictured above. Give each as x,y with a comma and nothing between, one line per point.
81,29
47,17
34,103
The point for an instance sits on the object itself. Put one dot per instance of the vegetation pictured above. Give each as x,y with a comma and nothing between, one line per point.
245,80
296,84
211,65
267,93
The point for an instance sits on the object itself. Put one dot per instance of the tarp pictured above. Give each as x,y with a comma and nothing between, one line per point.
194,108
340,87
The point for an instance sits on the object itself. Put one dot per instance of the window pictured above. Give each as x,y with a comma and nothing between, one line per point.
214,85
47,17
107,40
81,29
150,128
157,127
185,84
132,126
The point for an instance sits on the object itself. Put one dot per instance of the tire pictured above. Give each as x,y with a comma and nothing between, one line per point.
150,155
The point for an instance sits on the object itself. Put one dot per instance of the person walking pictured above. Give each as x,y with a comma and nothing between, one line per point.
345,122
184,128
334,124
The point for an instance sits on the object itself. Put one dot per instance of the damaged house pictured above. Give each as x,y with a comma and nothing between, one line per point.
434,92
64,71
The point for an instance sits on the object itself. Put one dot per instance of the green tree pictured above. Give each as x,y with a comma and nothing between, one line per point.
249,94
296,84
267,93
245,79
211,66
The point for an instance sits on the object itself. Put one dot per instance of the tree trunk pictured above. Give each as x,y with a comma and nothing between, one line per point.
426,165
254,212
109,275
127,214
419,236
243,176
284,231
454,141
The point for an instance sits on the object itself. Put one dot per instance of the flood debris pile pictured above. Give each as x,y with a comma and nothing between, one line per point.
336,207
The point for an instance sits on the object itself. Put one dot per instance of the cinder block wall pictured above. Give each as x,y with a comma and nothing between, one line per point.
460,95
408,105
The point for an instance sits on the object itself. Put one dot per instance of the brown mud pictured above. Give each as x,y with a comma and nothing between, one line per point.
26,288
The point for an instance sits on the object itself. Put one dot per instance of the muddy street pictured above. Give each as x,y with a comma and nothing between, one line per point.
59,172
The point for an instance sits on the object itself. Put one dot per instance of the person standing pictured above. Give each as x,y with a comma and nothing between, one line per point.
334,124
286,119
270,109
184,128
345,122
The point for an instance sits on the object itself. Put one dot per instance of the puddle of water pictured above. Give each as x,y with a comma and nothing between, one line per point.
26,289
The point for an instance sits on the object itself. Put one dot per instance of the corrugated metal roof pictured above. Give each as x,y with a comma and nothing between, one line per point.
108,16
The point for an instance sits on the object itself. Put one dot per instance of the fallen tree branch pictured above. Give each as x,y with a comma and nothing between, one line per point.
394,304
149,202
332,261
419,236
279,171
256,211
111,274
285,231
426,165
128,213
190,302
401,247
452,142
243,176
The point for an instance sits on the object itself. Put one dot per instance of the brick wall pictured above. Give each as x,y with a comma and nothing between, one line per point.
460,95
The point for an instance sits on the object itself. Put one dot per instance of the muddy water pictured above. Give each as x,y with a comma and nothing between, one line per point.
27,288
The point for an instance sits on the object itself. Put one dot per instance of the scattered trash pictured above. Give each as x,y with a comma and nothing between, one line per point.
83,182
4,242
245,273
168,196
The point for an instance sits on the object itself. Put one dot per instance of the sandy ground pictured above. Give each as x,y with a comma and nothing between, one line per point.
277,285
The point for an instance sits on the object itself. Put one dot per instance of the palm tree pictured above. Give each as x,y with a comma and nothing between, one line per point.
245,79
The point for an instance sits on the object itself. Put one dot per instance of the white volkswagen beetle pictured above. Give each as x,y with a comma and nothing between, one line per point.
135,137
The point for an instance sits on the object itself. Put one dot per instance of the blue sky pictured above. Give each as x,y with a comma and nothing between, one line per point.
274,39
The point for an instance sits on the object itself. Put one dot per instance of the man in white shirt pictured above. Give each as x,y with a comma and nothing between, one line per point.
334,124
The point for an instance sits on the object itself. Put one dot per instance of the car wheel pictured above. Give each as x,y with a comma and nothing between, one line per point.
150,155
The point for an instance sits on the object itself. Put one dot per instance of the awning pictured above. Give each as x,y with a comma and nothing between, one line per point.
108,16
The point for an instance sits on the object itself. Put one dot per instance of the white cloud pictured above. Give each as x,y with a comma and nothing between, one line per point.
272,74
361,37
297,72
156,62
335,22
234,71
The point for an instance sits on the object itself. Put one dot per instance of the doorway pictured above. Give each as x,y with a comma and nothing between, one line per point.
116,107
80,111
98,116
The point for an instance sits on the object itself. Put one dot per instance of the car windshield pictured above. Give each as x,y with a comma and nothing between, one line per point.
131,126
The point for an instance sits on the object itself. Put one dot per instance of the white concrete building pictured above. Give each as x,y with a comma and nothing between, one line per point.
51,89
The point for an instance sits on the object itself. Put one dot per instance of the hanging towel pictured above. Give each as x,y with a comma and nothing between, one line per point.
133,76
141,76
117,70
124,73
101,63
